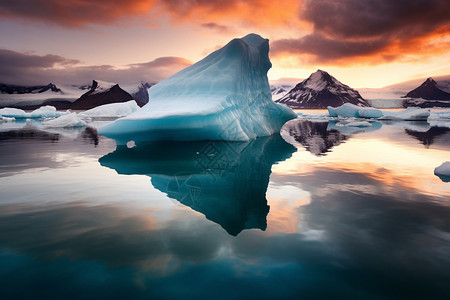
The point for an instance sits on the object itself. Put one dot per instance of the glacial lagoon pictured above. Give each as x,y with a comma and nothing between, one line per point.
336,212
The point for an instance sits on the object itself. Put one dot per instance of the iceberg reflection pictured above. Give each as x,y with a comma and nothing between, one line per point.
225,181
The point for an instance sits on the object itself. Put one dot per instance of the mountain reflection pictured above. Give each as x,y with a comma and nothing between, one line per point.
429,137
225,181
314,136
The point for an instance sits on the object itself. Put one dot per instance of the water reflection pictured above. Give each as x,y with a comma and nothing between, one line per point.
316,137
319,137
432,135
225,181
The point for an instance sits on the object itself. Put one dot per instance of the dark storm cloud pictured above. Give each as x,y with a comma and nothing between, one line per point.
25,69
383,29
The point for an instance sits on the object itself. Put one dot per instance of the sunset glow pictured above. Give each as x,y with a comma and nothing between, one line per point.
364,44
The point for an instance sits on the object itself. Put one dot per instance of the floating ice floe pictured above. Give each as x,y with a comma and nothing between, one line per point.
439,119
409,114
225,96
6,119
111,110
353,127
42,112
65,121
45,112
348,110
9,112
443,171
356,124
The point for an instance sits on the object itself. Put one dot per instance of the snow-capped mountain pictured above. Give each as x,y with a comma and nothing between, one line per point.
278,91
431,90
16,89
319,91
101,92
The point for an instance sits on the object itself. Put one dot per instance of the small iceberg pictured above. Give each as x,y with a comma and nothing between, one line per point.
225,96
16,113
409,114
443,171
46,111
112,110
348,110
65,121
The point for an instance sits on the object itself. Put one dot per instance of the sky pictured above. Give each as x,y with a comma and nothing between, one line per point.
370,43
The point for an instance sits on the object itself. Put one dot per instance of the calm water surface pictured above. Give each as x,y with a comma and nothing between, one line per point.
337,213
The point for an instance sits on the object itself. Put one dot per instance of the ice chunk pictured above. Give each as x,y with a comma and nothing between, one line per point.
225,96
14,113
443,171
353,127
7,119
355,124
409,114
111,110
348,110
69,120
45,112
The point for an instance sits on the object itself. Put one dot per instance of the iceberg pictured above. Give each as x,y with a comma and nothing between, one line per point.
225,96
443,171
409,114
65,121
46,111
111,110
348,110
42,112
355,124
9,112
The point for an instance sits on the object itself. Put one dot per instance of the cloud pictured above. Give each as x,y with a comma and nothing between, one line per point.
369,31
255,12
73,13
217,27
26,69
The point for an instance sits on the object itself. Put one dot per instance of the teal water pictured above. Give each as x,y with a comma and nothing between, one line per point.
337,213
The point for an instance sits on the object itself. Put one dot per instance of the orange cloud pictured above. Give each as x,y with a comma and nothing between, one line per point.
255,12
370,32
75,13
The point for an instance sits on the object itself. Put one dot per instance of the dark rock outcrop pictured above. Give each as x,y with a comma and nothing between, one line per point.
98,95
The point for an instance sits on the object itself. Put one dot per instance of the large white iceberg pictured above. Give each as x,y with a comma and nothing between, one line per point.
225,96
111,110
